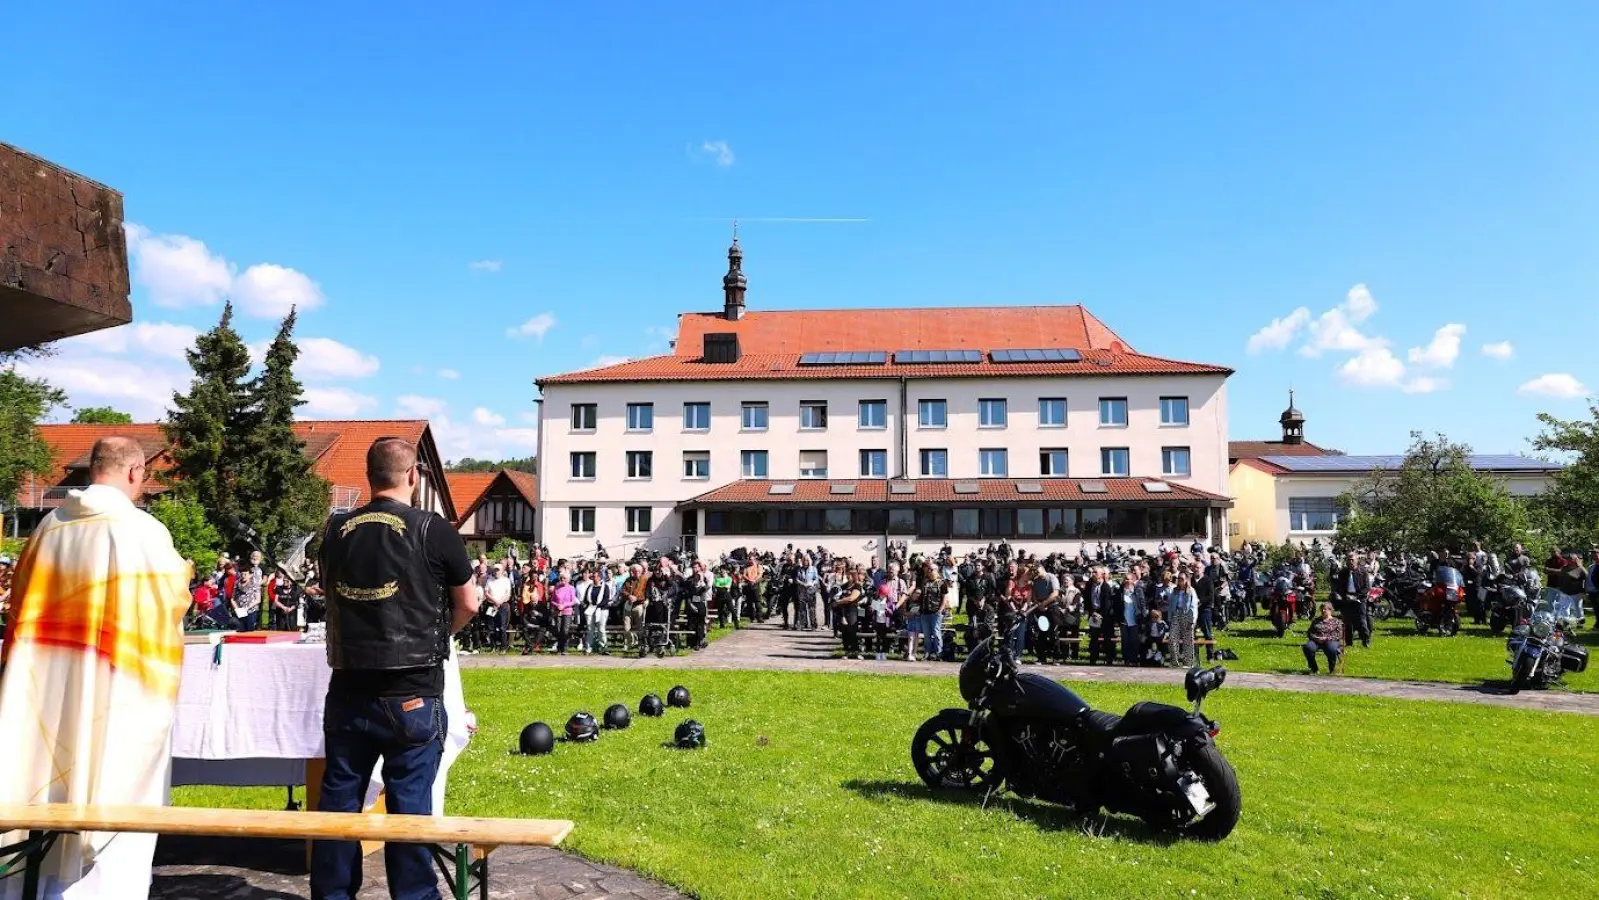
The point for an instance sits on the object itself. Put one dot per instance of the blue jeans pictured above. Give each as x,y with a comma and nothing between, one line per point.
932,634
247,621
1206,616
1331,648
411,742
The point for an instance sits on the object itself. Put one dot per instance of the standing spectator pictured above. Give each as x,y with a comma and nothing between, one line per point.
246,597
889,591
1184,606
1071,618
753,577
597,600
1103,603
1131,617
1349,588
563,600
497,601
847,610
697,598
727,603
1156,632
807,581
635,597
1044,595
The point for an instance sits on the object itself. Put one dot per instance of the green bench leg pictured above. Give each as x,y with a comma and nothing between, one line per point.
459,870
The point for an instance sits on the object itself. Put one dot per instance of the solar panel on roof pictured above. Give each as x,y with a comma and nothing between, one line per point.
841,489
1093,487
780,489
902,487
966,487
845,358
1157,487
931,357
1029,487
1042,354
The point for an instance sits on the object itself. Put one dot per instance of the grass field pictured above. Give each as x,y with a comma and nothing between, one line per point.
805,790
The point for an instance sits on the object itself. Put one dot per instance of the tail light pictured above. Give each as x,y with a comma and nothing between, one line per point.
1215,729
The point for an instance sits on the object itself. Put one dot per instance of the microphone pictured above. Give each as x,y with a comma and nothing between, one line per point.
237,526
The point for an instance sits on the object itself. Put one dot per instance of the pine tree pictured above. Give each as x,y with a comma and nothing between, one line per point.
280,493
210,427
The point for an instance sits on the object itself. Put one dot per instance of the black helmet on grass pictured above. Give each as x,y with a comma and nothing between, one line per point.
581,727
651,706
678,696
689,736
617,716
537,739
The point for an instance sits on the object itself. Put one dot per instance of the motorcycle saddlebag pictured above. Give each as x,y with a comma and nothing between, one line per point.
1574,658
1145,759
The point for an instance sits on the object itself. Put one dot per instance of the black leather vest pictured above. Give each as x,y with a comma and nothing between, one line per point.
385,609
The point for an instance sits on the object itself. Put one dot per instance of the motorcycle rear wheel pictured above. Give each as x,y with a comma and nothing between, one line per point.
1222,785
948,756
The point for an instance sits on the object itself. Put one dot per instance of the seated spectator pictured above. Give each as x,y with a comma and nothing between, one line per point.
1155,632
1325,633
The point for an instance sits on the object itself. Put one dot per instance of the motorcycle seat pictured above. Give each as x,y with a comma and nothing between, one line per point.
1150,718
1101,722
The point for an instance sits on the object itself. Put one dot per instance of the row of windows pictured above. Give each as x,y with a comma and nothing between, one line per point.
755,415
1052,523
991,463
639,519
1315,513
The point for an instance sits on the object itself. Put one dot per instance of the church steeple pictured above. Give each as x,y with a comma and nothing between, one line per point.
734,282
1293,422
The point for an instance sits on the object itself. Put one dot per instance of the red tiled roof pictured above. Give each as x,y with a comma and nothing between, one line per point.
467,488
1237,450
526,483
942,490
770,367
796,331
70,446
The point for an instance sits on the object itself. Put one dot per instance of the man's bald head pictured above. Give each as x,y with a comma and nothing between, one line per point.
388,462
119,462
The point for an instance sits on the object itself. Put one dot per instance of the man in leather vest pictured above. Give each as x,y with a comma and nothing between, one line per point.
398,584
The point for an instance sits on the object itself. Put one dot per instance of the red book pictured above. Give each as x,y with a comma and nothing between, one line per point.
262,637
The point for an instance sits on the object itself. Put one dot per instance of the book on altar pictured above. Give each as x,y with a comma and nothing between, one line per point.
262,637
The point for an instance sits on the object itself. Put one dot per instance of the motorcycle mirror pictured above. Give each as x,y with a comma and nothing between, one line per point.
1043,624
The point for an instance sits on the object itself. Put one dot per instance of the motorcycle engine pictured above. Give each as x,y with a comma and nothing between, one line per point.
1060,771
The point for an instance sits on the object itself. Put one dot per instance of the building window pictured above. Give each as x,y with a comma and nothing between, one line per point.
584,416
999,522
696,465
640,417
813,464
752,463
755,417
583,465
874,414
932,523
696,417
874,463
813,415
582,519
1062,523
838,520
638,519
966,523
991,414
993,463
1113,412
1096,522
1113,461
1174,410
935,463
1051,412
932,413
640,463
1029,523
1174,461
1313,514
1052,463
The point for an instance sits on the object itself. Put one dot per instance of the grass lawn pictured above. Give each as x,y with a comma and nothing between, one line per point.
806,790
1472,657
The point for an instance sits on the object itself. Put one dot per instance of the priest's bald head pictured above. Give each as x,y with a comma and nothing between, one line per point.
118,462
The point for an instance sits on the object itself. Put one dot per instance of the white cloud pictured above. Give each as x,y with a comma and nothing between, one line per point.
1373,367
719,152
161,339
484,265
142,389
1500,350
1424,384
335,403
270,291
176,269
535,327
1443,351
603,361
1359,304
327,358
1335,330
1555,384
528,416
483,416
449,374
1279,333
412,406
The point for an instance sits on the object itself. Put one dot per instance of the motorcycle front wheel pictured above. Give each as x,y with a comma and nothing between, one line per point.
947,753
1522,676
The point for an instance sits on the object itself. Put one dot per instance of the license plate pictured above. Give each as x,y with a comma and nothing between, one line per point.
1198,797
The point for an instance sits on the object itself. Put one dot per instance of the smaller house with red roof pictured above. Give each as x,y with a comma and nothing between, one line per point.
1034,425
494,506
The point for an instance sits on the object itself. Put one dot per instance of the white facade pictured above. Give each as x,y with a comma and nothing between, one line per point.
1293,489
617,498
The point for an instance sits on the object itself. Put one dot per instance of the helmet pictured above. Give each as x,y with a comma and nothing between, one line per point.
689,736
617,716
677,696
537,738
581,727
651,706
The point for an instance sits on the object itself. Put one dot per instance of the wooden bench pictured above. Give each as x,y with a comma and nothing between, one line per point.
464,869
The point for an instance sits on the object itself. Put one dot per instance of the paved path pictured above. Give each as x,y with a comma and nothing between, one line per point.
768,647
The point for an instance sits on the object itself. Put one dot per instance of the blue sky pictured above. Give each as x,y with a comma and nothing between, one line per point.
1421,181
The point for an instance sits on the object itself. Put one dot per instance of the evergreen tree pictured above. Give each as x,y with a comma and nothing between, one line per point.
280,494
210,427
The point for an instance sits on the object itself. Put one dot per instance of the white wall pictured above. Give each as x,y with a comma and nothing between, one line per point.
864,548
610,491
1299,485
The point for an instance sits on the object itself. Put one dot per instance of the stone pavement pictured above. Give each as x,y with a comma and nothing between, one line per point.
768,647
231,869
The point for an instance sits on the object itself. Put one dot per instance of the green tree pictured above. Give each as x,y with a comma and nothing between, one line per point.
278,492
1569,510
1433,500
503,549
527,464
194,537
210,427
101,415
23,451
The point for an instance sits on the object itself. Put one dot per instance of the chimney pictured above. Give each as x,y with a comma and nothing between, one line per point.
721,348
733,283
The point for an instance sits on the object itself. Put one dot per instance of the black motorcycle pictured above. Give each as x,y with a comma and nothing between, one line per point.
1034,736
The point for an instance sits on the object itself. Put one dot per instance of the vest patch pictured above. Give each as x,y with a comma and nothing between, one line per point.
377,593
390,519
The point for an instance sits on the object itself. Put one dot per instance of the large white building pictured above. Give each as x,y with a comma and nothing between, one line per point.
1036,425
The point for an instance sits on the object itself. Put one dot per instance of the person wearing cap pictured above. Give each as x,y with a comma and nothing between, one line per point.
497,596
